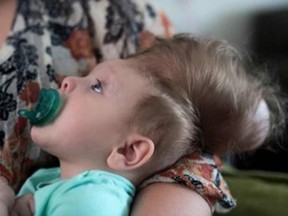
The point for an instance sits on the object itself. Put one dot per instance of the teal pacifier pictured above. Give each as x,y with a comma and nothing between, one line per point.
46,109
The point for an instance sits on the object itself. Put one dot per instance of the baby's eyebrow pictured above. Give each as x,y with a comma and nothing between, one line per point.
113,72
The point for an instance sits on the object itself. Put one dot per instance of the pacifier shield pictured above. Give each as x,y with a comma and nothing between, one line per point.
46,109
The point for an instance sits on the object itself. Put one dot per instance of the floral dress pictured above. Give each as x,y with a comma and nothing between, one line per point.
49,40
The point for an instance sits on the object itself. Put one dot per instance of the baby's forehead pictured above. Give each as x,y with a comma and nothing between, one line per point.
124,75
115,67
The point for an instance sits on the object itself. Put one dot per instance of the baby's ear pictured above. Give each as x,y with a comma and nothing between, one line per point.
136,151
146,40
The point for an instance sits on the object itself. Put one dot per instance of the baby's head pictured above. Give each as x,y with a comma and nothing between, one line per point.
120,119
232,106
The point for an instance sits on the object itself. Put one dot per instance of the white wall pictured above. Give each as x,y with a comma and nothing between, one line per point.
221,19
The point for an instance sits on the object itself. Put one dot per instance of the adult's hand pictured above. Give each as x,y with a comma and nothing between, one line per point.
7,197
24,206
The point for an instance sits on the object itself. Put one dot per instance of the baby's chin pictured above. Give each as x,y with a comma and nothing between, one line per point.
39,135
34,133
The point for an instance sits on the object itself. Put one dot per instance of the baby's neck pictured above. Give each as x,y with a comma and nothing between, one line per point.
137,178
69,170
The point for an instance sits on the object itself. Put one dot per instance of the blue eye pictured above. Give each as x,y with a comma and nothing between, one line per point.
97,87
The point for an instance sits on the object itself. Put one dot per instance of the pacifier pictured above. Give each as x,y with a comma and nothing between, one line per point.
47,108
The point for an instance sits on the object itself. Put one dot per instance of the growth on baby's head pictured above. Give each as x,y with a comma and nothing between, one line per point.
226,99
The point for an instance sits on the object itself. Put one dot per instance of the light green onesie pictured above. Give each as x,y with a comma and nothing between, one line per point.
95,193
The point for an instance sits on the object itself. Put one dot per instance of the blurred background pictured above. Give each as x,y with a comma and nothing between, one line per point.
258,28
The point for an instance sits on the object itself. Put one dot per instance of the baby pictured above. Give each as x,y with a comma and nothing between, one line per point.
129,119
111,134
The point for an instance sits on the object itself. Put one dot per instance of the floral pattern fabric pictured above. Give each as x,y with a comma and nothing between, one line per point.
199,171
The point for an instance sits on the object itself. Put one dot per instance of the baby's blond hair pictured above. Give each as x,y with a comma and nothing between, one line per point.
206,98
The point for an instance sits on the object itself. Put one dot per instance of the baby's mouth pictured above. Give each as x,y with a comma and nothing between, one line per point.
47,108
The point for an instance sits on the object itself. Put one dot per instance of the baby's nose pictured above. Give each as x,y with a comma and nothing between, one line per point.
68,84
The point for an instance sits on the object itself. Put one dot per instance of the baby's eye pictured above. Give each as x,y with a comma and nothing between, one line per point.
97,87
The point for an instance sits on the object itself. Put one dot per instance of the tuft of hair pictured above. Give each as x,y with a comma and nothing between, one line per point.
224,92
167,117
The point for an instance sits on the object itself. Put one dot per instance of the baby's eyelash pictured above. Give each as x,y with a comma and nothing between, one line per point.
97,87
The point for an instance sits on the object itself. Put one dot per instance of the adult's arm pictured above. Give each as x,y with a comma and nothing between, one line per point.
167,199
